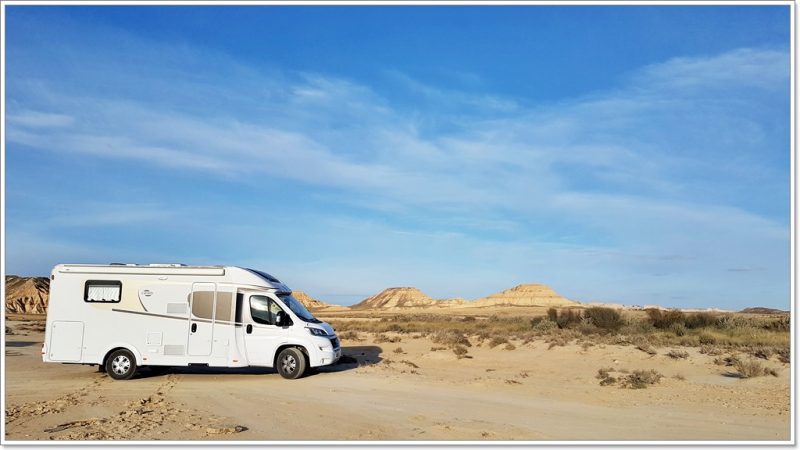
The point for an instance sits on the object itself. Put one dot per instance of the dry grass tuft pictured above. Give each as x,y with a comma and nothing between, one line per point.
752,368
510,346
451,339
497,340
678,354
460,351
640,379
399,350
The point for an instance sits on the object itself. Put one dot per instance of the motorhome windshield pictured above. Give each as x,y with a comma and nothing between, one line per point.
297,308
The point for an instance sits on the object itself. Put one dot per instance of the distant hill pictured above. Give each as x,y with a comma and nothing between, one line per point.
762,310
524,295
27,295
399,298
396,298
310,302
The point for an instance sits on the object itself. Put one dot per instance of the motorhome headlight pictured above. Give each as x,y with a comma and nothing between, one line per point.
317,331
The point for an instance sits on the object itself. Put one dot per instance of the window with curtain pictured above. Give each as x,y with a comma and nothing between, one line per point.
103,291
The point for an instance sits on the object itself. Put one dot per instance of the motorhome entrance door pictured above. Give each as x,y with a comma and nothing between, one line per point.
203,301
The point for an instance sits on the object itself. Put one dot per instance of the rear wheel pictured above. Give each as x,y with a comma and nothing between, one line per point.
121,365
291,363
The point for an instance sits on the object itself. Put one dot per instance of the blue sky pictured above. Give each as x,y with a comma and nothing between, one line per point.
635,154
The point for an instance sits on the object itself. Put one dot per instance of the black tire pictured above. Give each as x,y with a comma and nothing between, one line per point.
121,365
291,363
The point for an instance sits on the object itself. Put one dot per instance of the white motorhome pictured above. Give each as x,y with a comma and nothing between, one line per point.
125,316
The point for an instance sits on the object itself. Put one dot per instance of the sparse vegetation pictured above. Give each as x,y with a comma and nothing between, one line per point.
640,379
399,350
497,340
604,318
752,368
510,346
460,351
714,333
678,354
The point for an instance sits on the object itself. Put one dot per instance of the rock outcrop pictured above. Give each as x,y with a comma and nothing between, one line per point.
27,295
308,301
523,295
396,298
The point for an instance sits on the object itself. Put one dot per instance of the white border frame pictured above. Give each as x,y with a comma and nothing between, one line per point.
793,242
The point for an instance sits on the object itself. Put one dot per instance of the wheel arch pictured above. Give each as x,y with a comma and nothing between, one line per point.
284,347
116,347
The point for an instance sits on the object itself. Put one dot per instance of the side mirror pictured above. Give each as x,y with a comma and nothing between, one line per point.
280,318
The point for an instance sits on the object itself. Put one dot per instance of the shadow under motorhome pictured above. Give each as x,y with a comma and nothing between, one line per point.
126,316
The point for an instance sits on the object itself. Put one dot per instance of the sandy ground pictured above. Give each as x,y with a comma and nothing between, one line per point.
530,393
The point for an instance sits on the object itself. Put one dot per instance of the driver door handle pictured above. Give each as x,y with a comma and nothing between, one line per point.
194,327
249,328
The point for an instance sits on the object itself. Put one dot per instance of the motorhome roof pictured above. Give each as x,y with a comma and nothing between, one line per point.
169,269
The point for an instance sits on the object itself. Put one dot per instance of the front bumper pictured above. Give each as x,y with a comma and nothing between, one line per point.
325,354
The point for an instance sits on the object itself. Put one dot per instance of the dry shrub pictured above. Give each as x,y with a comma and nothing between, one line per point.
604,318
568,317
761,352
640,379
460,351
700,320
780,324
436,349
510,346
349,335
451,338
705,338
399,350
711,350
585,346
679,377
544,325
727,361
784,355
752,368
643,345
383,338
497,340
558,341
678,329
678,354
665,319
468,319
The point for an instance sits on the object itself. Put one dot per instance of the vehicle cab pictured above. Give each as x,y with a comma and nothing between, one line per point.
280,332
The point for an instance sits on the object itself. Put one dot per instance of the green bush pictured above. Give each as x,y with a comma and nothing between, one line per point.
605,318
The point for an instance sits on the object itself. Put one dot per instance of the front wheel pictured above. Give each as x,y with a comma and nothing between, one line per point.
291,363
121,365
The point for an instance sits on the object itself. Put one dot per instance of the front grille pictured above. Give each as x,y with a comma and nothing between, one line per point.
335,342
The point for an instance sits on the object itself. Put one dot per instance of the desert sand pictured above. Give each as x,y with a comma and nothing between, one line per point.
399,391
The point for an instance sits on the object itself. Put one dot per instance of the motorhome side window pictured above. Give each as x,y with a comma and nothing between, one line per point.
263,310
102,291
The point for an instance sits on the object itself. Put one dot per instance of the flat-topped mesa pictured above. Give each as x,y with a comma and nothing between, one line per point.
309,301
27,295
524,295
397,297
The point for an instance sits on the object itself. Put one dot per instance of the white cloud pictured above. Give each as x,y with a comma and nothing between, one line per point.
652,168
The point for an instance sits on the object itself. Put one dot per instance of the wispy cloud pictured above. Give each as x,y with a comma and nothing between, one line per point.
658,174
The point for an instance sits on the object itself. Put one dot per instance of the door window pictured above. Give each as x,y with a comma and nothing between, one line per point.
263,310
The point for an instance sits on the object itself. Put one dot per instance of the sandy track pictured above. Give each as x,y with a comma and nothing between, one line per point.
530,393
